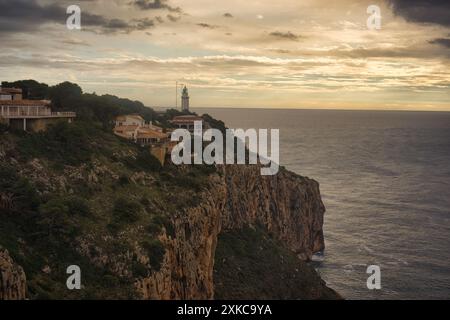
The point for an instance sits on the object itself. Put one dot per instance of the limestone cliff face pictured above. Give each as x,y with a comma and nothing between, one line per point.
287,205
12,278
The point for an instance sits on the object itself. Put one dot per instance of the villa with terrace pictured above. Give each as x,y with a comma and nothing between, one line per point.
28,115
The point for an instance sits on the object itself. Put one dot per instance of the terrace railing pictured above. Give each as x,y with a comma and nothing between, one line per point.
32,112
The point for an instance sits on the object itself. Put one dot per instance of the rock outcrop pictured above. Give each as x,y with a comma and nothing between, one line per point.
288,206
12,278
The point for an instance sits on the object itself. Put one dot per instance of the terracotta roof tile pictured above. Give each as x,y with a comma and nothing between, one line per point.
148,133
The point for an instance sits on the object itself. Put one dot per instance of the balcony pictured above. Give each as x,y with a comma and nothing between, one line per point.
26,112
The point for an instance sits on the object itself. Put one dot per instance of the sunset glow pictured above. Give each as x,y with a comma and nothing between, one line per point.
256,54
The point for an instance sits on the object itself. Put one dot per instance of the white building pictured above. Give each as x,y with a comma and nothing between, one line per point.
135,120
130,120
33,115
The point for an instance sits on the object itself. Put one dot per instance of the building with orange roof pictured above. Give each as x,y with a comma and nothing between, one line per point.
128,132
147,136
133,127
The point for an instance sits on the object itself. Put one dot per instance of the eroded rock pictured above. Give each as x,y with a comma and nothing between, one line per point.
12,278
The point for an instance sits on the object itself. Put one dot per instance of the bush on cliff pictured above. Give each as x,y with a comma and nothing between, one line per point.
142,161
155,251
146,161
77,206
55,218
126,210
16,193
64,143
164,221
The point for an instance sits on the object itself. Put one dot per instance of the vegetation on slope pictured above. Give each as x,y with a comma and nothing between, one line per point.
249,264
77,194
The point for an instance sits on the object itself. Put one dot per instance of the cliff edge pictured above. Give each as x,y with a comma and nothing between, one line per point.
77,195
287,206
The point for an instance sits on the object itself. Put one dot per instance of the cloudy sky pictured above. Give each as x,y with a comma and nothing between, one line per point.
253,53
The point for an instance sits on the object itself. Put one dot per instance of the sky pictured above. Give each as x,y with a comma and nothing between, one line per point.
254,53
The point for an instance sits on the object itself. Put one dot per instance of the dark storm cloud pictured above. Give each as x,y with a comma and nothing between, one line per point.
16,15
154,4
441,41
29,15
285,35
430,11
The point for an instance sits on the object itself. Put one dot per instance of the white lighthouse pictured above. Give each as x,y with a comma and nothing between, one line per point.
185,100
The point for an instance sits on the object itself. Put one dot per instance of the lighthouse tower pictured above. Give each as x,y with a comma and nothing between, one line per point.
185,100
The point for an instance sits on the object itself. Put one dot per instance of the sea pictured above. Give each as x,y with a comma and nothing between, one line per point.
385,181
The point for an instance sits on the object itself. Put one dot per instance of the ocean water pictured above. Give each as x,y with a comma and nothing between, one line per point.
385,181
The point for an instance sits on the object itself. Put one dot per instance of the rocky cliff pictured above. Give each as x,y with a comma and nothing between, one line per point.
137,231
12,278
288,206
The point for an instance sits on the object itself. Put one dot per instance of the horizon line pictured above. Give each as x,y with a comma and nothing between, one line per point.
314,109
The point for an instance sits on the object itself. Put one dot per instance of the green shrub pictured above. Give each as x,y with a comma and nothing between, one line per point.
126,210
139,270
64,143
55,218
18,190
190,183
153,228
165,222
78,206
110,281
155,251
145,202
113,227
124,180
206,169
84,189
144,161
